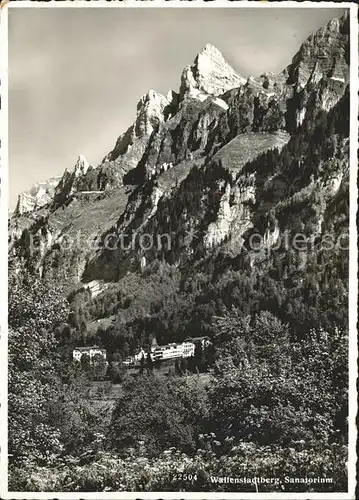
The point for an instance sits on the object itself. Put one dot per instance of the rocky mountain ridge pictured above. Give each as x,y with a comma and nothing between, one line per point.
210,74
224,158
39,194
258,104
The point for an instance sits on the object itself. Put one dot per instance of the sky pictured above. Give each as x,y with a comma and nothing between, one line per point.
76,75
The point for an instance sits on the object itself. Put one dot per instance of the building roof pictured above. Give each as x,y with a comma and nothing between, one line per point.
88,348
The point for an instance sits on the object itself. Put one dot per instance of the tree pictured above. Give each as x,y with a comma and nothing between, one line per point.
98,367
183,365
286,391
35,309
116,356
149,363
178,370
160,412
115,372
232,338
82,425
199,357
142,363
85,362
273,119
271,341
49,412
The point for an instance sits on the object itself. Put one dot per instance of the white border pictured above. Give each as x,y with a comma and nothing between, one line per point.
4,162
353,249
353,266
180,4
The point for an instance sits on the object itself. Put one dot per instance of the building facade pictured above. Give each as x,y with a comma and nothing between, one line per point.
173,350
91,351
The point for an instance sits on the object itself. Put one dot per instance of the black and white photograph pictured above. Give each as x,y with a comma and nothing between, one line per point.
178,209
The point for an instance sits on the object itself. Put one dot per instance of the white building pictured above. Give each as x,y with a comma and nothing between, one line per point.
188,349
91,351
172,351
141,354
169,351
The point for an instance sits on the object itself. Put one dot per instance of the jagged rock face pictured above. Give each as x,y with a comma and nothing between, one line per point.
181,137
233,217
319,72
39,195
122,145
81,166
323,53
251,108
312,98
72,181
274,102
60,240
209,74
150,112
219,123
131,145
168,129
329,94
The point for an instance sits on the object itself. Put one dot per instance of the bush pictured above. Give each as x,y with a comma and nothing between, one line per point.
273,391
159,412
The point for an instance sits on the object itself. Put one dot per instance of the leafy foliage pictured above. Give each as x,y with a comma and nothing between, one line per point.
274,390
176,471
272,395
33,312
161,413
49,411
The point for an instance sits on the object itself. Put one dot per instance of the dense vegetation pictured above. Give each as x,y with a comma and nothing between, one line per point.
269,400
267,395
184,286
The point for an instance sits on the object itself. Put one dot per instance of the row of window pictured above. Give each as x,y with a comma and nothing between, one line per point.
185,350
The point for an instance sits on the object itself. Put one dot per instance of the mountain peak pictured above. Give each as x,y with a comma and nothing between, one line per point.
81,166
210,74
325,52
37,196
150,110
333,24
210,49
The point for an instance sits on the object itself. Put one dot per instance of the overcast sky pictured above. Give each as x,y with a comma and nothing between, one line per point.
76,75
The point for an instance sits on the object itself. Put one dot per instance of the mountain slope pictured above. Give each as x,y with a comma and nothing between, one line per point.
199,173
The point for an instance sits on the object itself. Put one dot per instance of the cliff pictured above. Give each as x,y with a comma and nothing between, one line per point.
224,158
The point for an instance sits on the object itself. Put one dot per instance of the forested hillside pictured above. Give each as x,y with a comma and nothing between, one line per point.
223,211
